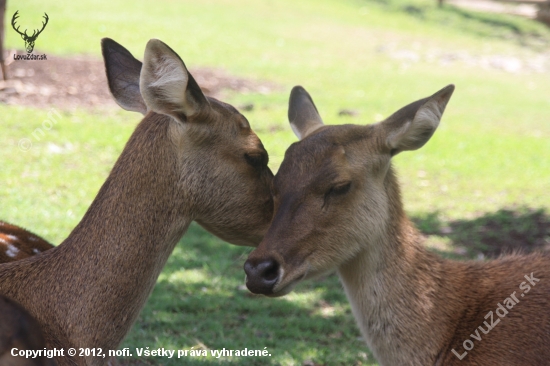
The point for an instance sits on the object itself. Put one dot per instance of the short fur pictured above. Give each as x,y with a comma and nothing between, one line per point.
175,168
17,243
413,307
18,329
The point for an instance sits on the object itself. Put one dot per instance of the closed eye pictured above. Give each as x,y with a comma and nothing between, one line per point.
338,189
257,160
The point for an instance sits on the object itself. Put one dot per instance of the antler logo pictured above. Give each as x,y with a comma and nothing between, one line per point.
29,40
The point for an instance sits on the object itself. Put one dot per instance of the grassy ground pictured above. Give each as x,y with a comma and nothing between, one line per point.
481,180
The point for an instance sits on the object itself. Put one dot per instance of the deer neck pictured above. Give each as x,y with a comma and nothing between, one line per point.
393,288
107,267
143,200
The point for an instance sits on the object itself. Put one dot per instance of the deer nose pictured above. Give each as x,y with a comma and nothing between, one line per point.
261,276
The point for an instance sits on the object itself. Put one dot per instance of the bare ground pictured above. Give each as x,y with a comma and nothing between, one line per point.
80,81
525,10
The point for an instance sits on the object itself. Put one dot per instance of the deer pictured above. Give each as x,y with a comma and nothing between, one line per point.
29,40
19,331
338,207
191,158
17,243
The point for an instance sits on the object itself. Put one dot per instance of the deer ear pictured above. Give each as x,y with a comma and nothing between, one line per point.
302,113
412,126
166,85
123,76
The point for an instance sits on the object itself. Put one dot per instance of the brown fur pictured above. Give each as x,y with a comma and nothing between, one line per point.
17,243
19,330
192,165
413,307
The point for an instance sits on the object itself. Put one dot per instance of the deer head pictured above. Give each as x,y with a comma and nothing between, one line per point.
335,193
29,40
229,190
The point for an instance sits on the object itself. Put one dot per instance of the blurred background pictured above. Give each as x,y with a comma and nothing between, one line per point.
478,189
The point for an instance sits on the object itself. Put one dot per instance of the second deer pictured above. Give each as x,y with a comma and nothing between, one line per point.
338,207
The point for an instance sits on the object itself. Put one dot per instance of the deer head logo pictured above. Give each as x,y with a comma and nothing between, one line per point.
29,40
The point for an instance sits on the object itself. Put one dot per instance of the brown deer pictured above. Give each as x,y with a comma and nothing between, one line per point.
19,331
17,243
337,206
191,158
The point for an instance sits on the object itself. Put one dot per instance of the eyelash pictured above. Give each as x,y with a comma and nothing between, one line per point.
256,160
338,190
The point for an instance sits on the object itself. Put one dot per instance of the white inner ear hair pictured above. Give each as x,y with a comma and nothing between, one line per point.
395,136
170,77
296,131
309,128
428,115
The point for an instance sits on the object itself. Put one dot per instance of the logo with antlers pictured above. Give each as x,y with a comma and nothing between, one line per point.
29,40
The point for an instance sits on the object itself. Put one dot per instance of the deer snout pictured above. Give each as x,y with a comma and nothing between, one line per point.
262,275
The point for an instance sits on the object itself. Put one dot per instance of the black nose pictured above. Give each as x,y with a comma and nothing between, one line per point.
261,276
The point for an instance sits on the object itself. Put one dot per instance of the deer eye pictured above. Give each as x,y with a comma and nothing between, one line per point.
257,160
339,189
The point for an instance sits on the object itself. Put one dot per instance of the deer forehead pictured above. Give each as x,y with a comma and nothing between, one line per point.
227,114
218,127
329,155
235,129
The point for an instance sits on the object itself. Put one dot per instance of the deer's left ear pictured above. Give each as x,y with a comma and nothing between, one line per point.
412,126
123,76
302,113
166,85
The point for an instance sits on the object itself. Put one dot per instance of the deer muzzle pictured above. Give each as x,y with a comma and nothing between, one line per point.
262,275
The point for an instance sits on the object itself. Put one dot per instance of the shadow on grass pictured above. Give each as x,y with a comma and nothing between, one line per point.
486,19
483,24
502,232
504,26
200,301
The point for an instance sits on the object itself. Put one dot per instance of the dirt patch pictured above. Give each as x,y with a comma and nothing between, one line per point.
521,9
532,9
71,82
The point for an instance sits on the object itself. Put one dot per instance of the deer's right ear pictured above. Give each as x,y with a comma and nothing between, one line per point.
302,113
123,76
166,85
412,126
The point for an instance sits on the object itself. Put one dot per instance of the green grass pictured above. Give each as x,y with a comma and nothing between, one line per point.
487,168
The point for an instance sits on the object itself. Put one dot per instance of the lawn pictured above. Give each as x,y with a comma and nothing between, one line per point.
477,186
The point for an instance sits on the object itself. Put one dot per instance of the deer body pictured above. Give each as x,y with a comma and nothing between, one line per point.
190,158
338,207
415,308
17,243
122,265
18,329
